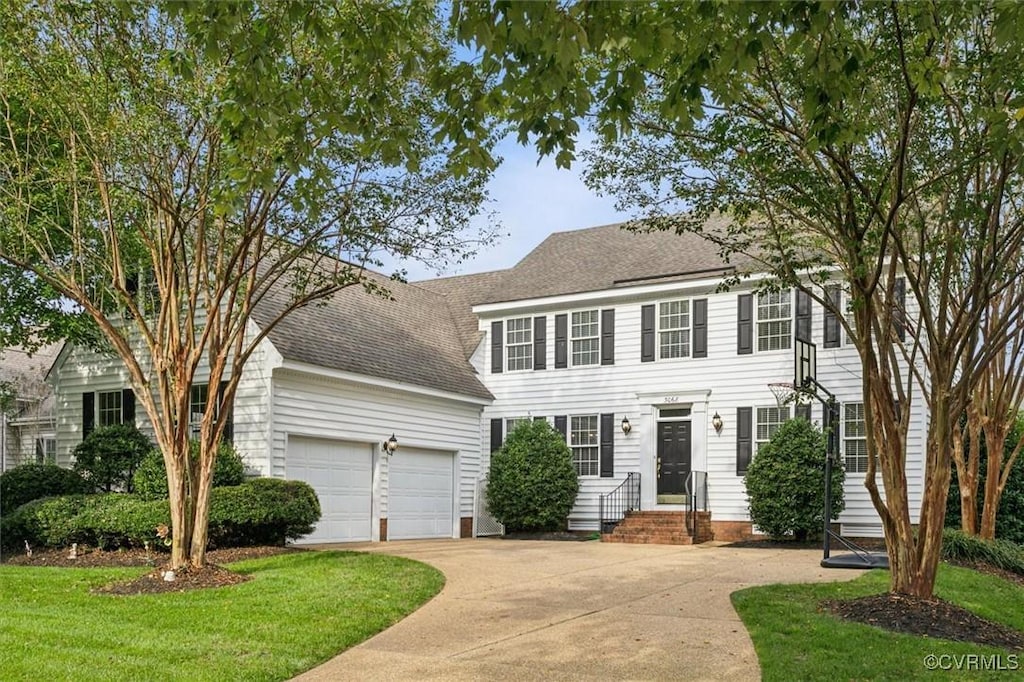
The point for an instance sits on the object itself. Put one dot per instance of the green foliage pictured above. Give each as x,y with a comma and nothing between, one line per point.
262,511
150,479
532,484
32,481
1010,515
259,511
786,482
959,546
109,456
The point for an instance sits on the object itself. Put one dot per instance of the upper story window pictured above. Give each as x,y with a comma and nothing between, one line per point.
674,329
109,408
585,336
583,441
519,344
774,320
769,419
855,443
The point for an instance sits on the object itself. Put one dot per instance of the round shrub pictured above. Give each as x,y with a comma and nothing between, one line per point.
786,483
262,511
108,456
150,480
32,481
532,484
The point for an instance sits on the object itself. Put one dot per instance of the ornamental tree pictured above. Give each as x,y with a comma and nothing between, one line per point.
875,144
164,167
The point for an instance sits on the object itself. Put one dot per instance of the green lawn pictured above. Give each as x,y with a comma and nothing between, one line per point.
298,610
794,641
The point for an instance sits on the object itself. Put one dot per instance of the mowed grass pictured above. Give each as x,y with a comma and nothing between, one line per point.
298,610
796,641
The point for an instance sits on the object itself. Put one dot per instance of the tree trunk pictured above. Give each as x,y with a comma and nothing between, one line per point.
995,442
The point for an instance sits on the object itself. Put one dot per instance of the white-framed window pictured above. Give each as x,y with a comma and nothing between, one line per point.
674,329
109,408
583,440
769,419
46,450
519,344
855,442
586,338
774,320
197,404
511,423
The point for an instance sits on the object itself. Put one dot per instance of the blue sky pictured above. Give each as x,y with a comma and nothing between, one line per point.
530,201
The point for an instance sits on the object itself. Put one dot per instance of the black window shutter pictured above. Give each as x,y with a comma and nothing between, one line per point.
495,434
540,342
899,318
561,425
127,406
830,322
561,341
744,438
607,445
700,328
497,346
803,411
228,434
647,333
745,324
608,336
88,413
803,315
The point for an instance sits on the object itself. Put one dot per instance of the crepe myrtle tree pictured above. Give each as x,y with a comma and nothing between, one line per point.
873,145
166,168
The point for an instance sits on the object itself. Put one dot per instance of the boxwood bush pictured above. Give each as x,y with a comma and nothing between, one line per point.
259,511
786,483
532,484
108,456
32,481
150,479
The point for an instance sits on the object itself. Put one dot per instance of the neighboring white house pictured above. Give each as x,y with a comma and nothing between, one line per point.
27,420
592,329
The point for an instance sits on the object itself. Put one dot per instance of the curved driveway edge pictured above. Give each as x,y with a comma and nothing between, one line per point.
534,610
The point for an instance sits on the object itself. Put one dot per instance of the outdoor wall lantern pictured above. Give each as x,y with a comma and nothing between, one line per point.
626,426
717,422
390,445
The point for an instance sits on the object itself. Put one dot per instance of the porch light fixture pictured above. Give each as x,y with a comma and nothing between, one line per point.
626,426
717,422
390,445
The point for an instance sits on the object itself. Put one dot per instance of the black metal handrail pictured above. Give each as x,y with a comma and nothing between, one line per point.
612,507
696,498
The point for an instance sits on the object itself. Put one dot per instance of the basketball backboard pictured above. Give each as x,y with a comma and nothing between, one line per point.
805,367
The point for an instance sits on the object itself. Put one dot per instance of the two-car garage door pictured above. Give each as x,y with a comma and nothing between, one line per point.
420,489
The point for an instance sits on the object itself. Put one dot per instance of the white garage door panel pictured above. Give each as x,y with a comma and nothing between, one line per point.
420,494
341,473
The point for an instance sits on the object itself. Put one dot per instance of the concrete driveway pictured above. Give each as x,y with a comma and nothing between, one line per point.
531,610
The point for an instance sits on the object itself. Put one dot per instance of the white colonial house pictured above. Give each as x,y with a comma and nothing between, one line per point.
622,341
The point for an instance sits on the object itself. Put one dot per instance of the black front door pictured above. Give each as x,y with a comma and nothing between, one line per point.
673,457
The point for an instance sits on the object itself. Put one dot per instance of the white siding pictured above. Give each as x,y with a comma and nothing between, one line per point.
80,370
721,383
310,405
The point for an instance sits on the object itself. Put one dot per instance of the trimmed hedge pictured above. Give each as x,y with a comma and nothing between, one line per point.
260,511
32,481
532,484
150,479
109,456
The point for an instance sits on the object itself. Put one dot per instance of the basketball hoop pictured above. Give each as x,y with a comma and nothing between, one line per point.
784,393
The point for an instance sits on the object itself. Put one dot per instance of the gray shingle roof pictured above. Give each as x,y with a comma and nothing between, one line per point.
462,293
610,257
411,339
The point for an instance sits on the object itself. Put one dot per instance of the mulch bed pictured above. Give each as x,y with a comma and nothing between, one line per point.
154,582
928,617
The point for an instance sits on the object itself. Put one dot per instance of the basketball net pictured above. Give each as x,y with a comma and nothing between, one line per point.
784,392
